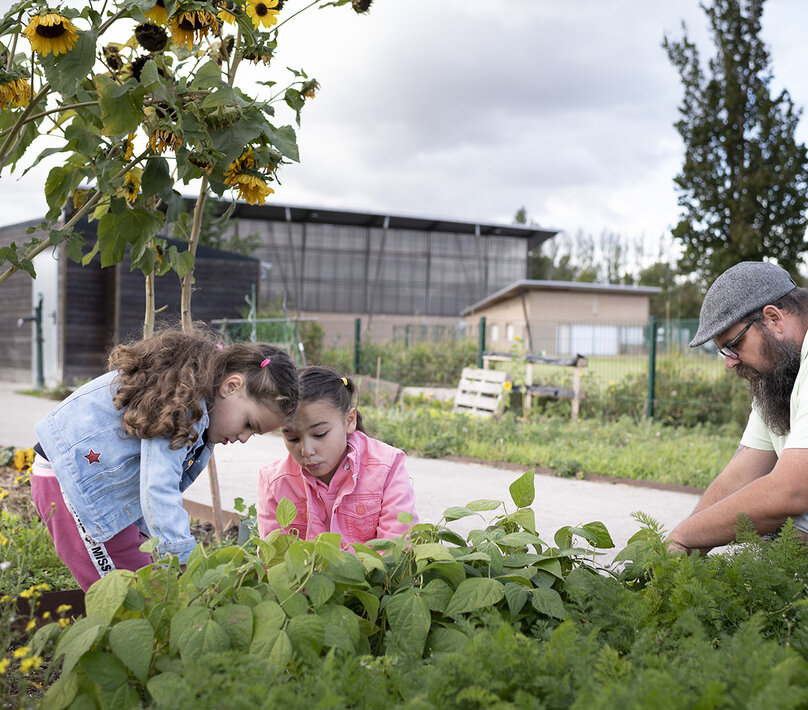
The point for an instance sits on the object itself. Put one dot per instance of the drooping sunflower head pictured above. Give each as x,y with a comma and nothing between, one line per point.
309,88
246,161
203,158
361,6
258,49
129,147
228,12
151,37
165,137
15,91
51,33
262,12
191,23
131,185
158,13
252,188
112,56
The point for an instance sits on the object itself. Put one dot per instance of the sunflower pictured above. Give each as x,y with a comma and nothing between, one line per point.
242,175
129,147
165,138
131,185
192,23
262,12
252,188
226,14
14,90
158,13
203,159
51,33
308,89
151,37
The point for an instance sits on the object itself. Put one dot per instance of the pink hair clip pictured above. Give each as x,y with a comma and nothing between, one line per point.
265,363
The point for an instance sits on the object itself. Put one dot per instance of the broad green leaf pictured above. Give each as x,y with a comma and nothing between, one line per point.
60,184
409,620
44,635
517,595
184,621
526,517
78,639
273,644
369,601
121,105
474,557
181,261
405,517
208,76
107,595
156,179
341,627
132,641
320,588
519,539
268,617
548,601
602,539
201,639
292,603
551,565
165,688
237,621
457,512
61,694
432,551
124,696
446,639
104,669
286,513
453,571
348,570
370,561
285,141
65,72
436,595
299,558
523,490
475,593
483,504
123,225
563,538
306,634
522,559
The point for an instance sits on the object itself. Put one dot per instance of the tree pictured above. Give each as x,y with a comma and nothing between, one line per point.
137,118
680,297
743,183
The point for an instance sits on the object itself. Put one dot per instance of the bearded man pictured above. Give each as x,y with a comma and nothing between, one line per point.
758,318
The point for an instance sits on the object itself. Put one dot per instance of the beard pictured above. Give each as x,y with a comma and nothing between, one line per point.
771,390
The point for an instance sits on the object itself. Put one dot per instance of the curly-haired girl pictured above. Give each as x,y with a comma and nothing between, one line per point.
114,458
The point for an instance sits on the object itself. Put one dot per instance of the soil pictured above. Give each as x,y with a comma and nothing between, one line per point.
19,502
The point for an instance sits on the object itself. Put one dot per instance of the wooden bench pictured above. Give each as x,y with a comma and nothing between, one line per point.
481,392
531,390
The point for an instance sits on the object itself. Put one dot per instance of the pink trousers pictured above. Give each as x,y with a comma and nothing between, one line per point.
86,558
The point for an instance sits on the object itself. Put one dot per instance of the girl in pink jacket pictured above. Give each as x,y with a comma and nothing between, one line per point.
339,479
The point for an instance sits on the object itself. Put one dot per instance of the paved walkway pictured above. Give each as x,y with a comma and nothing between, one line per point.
438,483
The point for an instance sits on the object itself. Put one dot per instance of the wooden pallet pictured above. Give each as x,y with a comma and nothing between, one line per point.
481,392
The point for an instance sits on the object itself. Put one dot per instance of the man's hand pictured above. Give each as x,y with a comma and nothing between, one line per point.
677,548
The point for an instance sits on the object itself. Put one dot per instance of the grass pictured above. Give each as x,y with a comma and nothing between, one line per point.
648,451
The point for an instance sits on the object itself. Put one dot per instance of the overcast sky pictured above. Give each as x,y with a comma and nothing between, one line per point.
470,109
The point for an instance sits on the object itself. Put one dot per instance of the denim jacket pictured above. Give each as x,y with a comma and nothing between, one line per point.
113,480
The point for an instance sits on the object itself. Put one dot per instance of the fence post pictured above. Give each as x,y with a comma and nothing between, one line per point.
357,331
482,343
649,401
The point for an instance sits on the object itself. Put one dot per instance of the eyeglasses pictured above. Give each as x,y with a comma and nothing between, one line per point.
728,350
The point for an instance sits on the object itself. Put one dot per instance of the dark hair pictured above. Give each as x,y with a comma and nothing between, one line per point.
795,301
163,380
317,382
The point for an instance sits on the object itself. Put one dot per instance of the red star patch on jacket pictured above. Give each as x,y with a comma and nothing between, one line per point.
92,457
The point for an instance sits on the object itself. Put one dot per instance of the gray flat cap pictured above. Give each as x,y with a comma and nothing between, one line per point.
740,290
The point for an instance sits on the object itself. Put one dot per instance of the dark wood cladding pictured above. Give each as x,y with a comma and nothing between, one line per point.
16,301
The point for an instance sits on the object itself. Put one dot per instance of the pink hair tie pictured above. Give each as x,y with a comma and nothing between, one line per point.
265,363
220,347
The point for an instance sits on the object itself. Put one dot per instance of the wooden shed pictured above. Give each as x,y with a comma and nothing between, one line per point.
87,310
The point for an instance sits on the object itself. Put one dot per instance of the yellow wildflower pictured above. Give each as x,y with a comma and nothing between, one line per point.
30,663
3,539
508,386
51,33
63,609
21,652
30,625
3,665
4,598
3,494
64,622
46,615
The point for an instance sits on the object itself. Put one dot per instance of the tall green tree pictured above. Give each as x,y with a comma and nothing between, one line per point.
743,185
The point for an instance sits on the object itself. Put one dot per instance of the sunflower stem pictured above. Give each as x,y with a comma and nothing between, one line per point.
69,107
10,61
